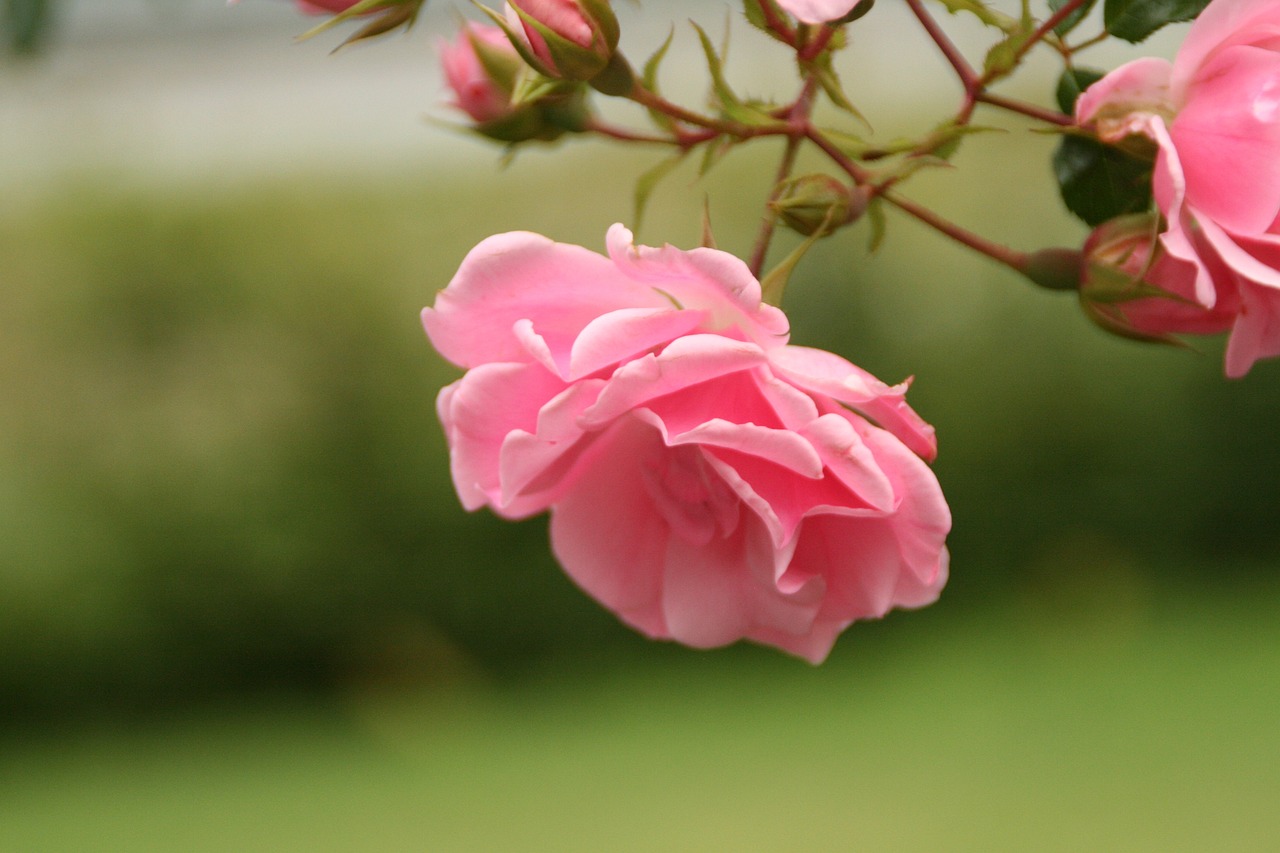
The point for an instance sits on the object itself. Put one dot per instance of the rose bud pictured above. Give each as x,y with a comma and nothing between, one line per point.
813,203
569,39
1132,286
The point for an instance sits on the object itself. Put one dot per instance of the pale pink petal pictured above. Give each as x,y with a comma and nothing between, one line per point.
706,280
818,11
709,600
922,519
1256,334
1232,116
606,532
685,362
483,408
625,334
825,373
519,276
1223,24
779,447
1140,86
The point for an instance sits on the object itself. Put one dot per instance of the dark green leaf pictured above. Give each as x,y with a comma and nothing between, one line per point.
1099,182
1070,22
1134,20
1072,84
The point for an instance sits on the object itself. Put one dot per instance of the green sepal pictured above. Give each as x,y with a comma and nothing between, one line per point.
617,79
649,79
715,66
517,39
604,20
1055,269
1112,320
572,60
1004,56
774,284
522,125
827,78
359,9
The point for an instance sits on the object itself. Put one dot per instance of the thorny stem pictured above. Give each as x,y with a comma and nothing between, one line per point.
1022,107
770,219
968,77
622,134
652,100
1066,10
798,117
794,122
975,85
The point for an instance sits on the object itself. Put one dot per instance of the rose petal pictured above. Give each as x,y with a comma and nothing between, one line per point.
558,288
828,374
1232,115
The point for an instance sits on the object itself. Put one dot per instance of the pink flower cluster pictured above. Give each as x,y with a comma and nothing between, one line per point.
1214,115
707,481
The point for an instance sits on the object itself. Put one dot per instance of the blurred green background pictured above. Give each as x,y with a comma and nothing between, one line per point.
240,608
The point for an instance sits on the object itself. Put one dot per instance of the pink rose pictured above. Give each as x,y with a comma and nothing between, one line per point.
818,11
707,482
476,91
1214,115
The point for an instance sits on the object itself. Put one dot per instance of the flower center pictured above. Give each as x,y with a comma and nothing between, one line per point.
690,495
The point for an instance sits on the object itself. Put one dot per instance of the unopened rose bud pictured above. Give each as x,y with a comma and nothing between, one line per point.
1131,286
818,203
481,68
567,39
484,71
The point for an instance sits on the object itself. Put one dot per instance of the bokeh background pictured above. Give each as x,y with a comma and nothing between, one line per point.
240,608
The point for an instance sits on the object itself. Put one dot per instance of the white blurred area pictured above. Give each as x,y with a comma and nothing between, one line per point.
199,90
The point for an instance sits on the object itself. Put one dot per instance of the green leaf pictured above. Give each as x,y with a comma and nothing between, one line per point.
1071,85
851,144
1070,22
1134,20
724,94
1099,182
646,183
830,83
360,8
649,79
774,284
1004,55
982,12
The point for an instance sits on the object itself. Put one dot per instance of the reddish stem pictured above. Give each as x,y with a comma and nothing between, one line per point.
1009,257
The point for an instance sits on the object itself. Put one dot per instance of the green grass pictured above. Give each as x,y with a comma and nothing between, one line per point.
1136,727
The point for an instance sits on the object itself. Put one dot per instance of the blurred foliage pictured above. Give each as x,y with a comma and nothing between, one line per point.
24,24
220,467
